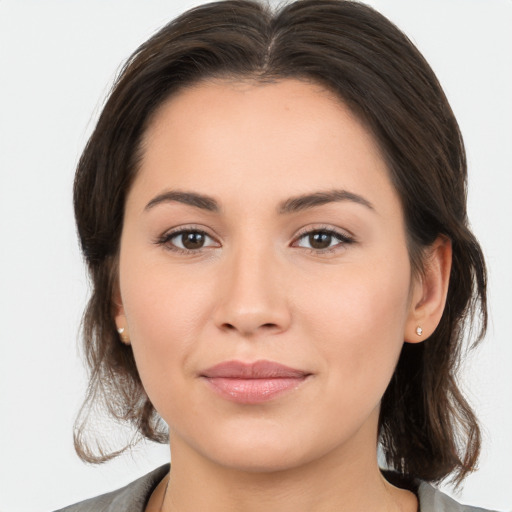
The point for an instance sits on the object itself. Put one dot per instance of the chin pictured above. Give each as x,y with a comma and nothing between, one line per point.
261,461
264,453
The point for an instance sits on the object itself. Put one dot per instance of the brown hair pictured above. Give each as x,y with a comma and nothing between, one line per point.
427,430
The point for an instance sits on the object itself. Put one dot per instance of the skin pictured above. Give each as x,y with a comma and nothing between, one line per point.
258,290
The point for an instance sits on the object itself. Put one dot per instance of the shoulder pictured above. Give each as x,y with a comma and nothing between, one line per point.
131,498
433,500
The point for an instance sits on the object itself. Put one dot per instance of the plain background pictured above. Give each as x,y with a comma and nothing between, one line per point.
57,61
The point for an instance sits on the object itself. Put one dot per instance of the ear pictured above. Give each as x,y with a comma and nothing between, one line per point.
429,291
120,317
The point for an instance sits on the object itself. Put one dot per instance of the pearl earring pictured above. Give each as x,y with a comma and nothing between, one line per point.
123,335
419,331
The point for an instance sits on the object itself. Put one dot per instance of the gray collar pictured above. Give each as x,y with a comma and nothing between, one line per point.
134,497
433,500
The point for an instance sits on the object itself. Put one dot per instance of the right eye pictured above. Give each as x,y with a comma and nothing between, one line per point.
187,240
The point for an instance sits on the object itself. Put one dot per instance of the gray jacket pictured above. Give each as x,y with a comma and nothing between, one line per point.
134,498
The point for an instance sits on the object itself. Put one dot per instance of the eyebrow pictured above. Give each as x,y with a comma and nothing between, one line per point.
291,205
306,201
191,198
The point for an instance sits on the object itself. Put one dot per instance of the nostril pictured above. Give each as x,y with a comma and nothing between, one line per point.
231,327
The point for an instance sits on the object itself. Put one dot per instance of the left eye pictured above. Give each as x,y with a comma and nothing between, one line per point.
322,239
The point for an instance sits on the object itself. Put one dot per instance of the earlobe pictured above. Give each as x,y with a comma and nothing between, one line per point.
120,319
124,335
429,291
122,327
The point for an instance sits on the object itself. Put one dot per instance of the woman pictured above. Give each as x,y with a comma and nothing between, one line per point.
271,204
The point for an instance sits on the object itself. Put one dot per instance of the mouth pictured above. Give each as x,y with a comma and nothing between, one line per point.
253,383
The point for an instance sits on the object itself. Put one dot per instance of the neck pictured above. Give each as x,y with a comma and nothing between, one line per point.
351,483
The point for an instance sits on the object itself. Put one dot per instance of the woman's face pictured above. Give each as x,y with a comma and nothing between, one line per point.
263,228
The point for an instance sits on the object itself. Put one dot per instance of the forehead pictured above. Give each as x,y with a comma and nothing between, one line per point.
255,108
268,140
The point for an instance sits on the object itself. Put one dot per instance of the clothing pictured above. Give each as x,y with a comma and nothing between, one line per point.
135,496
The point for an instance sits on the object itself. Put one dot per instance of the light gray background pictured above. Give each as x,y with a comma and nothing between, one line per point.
57,60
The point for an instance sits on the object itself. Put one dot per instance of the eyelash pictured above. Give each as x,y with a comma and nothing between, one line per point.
165,240
343,240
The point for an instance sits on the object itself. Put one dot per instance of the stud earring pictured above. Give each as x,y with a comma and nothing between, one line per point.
123,335
419,331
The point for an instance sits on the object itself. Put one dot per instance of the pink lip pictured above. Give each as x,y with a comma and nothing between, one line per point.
252,383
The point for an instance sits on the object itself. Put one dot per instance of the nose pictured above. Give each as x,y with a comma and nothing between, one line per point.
253,298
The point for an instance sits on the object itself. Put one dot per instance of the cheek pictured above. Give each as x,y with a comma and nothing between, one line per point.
163,311
358,323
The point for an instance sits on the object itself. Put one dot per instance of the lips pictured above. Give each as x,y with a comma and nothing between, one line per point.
252,383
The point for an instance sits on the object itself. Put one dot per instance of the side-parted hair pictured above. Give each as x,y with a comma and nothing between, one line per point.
427,430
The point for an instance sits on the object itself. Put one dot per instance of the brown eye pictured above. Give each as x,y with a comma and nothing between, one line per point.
192,239
320,240
187,240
